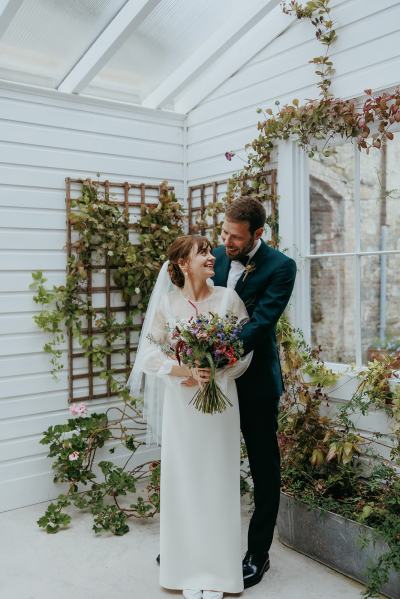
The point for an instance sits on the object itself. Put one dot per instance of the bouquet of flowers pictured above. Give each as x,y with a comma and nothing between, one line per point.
207,341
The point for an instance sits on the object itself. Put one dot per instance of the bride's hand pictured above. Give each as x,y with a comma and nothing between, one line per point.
201,375
189,382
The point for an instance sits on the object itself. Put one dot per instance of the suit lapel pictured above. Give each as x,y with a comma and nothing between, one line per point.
224,270
258,258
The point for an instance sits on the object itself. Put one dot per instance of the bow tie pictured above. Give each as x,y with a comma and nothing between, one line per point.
243,260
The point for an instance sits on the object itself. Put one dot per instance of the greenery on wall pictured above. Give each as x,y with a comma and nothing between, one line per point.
102,237
316,124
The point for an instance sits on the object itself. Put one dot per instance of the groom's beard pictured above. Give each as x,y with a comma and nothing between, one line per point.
243,252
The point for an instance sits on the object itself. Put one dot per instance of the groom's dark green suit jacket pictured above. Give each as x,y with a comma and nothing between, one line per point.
265,291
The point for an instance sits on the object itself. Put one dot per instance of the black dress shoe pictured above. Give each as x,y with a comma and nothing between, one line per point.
254,567
158,559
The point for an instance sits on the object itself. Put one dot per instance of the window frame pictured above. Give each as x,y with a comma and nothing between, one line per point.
294,232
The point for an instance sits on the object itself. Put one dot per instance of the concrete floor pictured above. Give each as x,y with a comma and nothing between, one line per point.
77,564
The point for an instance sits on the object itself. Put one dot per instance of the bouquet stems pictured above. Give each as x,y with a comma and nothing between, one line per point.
210,399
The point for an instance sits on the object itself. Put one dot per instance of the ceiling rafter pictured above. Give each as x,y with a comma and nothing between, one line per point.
112,37
248,45
219,42
8,9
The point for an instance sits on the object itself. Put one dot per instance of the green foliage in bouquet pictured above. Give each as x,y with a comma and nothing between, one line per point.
208,341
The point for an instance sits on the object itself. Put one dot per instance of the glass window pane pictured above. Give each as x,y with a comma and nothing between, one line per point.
332,308
380,302
380,197
332,201
45,39
160,44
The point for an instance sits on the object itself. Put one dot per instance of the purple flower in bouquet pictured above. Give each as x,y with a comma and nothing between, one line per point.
208,341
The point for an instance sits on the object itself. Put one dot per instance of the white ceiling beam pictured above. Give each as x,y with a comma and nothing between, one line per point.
112,37
8,9
248,45
217,43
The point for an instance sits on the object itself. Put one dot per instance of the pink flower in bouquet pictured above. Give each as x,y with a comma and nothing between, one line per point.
78,409
207,341
73,456
229,155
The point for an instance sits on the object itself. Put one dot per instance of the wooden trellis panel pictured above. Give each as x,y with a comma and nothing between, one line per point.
83,378
205,195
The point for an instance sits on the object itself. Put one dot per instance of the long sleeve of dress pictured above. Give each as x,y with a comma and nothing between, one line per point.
155,361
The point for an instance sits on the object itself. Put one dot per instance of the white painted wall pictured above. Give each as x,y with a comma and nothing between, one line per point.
43,139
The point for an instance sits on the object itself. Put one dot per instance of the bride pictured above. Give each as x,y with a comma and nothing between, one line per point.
200,526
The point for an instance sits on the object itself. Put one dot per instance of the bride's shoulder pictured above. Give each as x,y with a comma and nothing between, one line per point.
219,289
225,290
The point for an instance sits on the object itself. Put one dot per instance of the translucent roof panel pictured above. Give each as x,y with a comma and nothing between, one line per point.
160,44
46,38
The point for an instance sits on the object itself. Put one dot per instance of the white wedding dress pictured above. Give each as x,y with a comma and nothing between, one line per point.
200,524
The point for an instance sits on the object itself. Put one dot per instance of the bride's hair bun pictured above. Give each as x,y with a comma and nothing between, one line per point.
176,274
180,249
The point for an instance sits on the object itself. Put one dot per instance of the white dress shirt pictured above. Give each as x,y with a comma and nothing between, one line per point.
237,268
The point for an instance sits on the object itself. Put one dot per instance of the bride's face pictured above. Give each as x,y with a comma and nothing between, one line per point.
200,264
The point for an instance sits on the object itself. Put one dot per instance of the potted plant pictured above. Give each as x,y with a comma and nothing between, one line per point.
333,482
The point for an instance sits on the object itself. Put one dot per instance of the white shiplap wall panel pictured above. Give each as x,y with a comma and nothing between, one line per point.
17,344
365,55
32,260
83,141
79,117
20,302
32,219
13,282
44,139
303,44
14,239
70,161
22,176
38,199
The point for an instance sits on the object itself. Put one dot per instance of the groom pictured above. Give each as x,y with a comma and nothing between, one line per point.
264,278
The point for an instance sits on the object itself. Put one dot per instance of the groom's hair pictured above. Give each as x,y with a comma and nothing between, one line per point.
247,210
180,249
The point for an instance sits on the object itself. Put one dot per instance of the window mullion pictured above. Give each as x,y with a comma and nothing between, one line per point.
294,228
357,258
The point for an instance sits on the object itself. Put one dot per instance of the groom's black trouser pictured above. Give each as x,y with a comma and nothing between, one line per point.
258,420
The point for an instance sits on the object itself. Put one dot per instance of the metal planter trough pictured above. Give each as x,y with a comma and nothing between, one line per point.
332,540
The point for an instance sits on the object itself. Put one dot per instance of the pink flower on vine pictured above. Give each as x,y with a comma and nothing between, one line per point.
73,456
229,155
78,409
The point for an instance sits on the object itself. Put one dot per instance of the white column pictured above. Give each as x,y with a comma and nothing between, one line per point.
294,228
